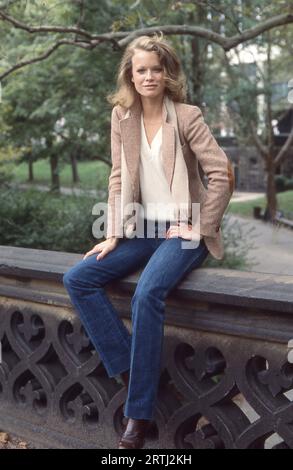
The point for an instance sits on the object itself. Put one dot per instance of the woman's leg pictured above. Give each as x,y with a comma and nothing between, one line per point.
84,283
166,267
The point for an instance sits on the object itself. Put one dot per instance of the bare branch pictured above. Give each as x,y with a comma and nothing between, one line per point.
284,151
43,29
124,37
259,29
210,5
225,43
263,149
45,55
81,17
102,159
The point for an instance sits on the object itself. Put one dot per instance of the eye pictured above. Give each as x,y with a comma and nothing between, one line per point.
156,70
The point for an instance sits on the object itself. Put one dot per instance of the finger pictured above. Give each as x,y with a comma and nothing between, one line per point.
91,252
172,227
173,233
102,254
86,255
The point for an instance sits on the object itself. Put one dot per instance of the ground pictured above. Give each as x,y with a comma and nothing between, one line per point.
10,441
273,246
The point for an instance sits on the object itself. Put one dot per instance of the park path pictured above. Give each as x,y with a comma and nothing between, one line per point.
238,196
273,245
65,190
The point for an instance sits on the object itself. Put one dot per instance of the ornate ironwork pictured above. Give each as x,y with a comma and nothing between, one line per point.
222,385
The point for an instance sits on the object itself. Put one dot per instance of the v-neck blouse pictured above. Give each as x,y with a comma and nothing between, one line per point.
156,140
155,191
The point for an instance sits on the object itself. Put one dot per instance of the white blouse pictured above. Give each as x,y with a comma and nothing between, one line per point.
155,191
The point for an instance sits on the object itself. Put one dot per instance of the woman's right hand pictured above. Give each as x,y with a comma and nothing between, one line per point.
103,248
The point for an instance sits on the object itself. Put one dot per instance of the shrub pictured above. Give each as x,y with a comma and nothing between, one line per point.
280,182
35,219
289,184
42,220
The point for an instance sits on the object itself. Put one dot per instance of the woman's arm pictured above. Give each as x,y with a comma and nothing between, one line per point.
216,165
114,186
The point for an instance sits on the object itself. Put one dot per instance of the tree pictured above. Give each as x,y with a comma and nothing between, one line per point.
244,91
223,24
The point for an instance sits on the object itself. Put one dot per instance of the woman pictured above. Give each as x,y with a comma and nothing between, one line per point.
157,141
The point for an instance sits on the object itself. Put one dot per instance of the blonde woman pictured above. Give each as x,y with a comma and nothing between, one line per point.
158,145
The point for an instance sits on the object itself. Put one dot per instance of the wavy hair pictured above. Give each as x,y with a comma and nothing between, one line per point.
175,80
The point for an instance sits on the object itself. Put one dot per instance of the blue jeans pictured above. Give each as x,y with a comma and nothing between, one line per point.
166,263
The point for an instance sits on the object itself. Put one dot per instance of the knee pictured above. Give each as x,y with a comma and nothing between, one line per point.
144,294
80,277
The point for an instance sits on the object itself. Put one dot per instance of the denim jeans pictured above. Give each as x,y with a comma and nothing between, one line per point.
165,264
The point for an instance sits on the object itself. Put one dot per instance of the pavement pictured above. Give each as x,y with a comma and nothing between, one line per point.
65,190
239,196
273,245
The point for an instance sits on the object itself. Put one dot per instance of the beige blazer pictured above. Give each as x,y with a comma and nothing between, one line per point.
202,155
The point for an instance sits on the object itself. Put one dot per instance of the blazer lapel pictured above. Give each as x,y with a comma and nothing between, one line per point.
131,138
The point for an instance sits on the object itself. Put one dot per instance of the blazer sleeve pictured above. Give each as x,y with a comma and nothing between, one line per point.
114,185
217,167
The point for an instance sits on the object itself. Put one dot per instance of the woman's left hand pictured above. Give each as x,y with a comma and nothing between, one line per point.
182,230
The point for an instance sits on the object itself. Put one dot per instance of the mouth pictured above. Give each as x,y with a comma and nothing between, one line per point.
150,86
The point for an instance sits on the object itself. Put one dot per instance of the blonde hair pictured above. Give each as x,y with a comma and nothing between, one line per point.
175,80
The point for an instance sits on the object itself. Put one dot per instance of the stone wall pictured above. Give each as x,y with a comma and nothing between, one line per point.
226,380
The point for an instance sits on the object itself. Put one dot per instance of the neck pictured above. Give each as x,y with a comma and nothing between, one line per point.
152,107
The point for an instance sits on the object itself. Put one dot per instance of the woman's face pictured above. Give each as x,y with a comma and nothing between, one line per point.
146,71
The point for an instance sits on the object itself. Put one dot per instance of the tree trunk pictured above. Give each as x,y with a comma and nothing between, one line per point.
55,181
73,160
272,203
198,59
30,169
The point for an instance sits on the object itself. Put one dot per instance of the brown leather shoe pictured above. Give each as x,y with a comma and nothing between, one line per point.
134,434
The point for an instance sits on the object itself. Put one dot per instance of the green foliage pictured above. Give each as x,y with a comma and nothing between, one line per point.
33,219
237,244
93,174
283,183
285,204
9,156
58,106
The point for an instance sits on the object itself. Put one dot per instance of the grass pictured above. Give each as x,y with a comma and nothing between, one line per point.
285,204
93,174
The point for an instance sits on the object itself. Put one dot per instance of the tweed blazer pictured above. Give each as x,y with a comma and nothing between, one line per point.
202,155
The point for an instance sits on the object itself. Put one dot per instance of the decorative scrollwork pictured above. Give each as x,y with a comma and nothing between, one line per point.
208,396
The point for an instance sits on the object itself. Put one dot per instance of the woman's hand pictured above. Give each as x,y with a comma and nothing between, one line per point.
104,248
182,230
